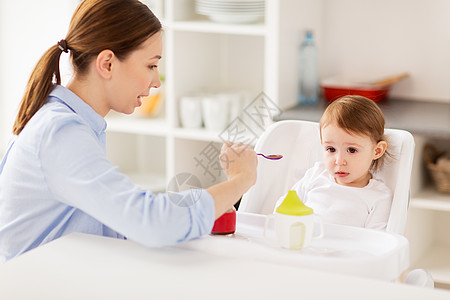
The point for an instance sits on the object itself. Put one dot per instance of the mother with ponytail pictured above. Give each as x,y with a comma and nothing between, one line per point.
55,178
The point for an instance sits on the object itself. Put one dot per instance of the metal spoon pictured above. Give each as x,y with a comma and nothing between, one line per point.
271,156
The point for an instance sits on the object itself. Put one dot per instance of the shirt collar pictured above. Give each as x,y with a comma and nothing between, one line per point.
66,96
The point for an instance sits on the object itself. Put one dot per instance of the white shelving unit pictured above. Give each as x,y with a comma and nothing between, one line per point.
429,220
155,127
203,56
429,199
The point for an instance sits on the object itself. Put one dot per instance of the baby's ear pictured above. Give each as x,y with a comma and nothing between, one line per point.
380,149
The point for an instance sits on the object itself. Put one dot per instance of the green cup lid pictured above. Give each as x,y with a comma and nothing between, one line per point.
292,205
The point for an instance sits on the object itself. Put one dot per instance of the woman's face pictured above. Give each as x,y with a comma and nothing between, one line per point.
134,76
348,157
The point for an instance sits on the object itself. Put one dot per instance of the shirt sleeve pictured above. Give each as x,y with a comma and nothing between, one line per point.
79,174
381,208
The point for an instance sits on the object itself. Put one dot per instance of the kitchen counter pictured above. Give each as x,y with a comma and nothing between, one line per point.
418,117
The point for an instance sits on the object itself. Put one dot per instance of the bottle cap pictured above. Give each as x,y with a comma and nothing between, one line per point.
292,205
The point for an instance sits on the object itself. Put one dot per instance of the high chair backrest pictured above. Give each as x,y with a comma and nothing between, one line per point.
299,143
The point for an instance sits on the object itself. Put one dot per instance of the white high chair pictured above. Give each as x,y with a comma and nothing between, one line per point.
299,143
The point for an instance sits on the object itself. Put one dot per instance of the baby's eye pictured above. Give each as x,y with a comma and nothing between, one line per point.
330,149
352,150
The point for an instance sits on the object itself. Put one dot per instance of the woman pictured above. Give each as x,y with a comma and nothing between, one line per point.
55,178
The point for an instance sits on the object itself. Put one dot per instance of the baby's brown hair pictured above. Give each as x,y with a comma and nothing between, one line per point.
356,115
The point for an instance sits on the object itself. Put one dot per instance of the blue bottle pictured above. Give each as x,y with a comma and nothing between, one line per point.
308,89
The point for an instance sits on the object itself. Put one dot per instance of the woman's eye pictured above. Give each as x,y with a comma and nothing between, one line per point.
352,150
330,149
153,67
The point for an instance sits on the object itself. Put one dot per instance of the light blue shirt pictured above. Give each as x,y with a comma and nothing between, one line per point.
55,179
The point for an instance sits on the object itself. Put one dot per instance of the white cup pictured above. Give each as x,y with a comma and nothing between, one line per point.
294,232
191,112
235,103
215,111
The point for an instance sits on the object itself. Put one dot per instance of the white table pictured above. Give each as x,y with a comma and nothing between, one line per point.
80,266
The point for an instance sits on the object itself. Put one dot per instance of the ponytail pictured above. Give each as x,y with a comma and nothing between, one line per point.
44,76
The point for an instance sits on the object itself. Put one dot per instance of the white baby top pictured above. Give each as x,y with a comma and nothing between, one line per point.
367,207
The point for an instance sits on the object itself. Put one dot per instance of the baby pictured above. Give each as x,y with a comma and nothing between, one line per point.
343,189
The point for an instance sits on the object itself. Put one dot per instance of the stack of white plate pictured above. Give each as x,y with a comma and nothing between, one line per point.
231,11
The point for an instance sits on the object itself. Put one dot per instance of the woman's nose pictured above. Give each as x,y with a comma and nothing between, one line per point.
156,83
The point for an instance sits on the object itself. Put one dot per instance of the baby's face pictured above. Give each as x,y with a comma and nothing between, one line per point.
348,157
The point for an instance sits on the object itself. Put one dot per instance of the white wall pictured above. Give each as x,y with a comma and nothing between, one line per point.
27,29
376,37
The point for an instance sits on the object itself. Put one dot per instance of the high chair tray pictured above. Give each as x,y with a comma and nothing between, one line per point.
343,249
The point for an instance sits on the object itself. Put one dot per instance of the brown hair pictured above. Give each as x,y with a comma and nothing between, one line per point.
356,115
118,25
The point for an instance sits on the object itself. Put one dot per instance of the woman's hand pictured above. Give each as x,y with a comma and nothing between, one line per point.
239,162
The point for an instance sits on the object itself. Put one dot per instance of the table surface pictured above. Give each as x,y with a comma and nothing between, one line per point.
80,266
418,117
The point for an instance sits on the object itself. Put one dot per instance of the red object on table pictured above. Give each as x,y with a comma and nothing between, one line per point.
226,223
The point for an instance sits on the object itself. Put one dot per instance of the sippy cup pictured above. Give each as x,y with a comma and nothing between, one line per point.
294,223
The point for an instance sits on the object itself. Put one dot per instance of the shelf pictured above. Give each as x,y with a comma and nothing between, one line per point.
131,124
431,199
149,181
212,27
212,136
197,134
437,263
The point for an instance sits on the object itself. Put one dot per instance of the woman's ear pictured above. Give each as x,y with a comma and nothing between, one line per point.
380,149
103,63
